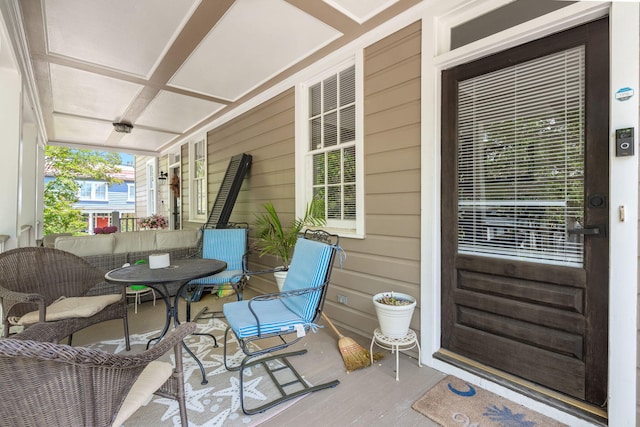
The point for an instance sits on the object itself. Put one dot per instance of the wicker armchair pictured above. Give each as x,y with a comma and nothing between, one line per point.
55,384
33,278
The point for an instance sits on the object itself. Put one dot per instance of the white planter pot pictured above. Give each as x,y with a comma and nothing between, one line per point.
280,276
394,320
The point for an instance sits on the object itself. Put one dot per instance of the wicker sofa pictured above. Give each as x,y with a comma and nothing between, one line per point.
109,251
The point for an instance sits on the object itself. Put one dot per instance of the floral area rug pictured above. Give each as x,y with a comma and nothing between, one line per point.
214,404
454,403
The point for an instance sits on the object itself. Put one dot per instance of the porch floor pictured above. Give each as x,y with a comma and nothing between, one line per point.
369,396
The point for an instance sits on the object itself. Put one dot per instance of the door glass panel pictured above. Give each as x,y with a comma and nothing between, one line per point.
521,161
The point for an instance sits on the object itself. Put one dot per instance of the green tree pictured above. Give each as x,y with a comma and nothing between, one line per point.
67,166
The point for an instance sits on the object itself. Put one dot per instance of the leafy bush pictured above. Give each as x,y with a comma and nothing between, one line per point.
105,230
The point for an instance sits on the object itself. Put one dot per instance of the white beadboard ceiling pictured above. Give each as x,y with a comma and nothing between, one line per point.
169,67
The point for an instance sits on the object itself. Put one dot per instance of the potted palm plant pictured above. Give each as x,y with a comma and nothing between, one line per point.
278,239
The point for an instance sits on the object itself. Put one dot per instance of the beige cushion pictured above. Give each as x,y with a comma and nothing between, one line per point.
49,240
134,241
66,308
174,239
152,377
100,244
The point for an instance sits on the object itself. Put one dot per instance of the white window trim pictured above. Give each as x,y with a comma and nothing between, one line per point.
303,187
150,171
193,216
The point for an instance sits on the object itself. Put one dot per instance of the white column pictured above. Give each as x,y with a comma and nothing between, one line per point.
10,107
28,188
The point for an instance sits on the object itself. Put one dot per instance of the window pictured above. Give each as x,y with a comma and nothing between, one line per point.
151,187
198,185
521,161
131,193
93,191
331,144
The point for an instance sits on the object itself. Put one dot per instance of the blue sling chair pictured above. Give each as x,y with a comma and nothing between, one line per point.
228,245
287,315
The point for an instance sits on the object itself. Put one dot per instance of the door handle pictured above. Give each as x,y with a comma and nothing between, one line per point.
596,230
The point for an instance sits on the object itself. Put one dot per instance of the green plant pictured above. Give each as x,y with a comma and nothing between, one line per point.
390,299
278,239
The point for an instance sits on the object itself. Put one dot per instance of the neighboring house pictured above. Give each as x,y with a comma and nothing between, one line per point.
467,155
99,202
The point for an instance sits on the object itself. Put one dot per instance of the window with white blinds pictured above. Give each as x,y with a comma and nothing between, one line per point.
332,145
521,161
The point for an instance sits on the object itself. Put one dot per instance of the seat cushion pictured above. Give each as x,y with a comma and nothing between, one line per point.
152,377
66,308
135,241
100,244
309,269
227,244
274,317
174,239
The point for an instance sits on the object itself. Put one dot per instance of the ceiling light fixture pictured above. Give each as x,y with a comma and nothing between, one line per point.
122,127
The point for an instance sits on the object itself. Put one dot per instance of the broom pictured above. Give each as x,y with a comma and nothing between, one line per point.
353,354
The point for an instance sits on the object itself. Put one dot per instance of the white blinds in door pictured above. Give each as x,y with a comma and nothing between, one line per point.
521,161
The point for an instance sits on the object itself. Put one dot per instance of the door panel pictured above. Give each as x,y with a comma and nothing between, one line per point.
524,288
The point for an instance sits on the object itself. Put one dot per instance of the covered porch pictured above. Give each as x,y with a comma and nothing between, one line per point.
189,117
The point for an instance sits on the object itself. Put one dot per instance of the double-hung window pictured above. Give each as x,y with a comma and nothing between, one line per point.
330,147
198,185
93,191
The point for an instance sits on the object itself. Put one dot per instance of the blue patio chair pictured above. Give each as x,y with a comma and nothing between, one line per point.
228,245
288,315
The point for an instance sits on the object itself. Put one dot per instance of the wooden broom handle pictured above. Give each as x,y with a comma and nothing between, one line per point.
332,325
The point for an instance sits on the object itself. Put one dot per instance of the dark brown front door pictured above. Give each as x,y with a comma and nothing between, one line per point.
524,211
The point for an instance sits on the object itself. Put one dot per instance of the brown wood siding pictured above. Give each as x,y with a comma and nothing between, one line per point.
388,258
266,132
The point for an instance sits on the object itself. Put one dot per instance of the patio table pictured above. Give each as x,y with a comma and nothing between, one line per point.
182,270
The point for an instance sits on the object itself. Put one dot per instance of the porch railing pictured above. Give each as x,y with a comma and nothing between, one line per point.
128,224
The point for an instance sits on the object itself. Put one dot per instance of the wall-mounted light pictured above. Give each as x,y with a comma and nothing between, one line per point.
163,177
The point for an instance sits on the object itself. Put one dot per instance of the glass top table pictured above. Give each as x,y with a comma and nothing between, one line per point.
180,270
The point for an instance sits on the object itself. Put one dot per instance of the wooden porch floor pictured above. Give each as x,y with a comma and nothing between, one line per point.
369,396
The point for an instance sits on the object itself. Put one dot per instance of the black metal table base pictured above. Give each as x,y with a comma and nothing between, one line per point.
172,313
181,271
